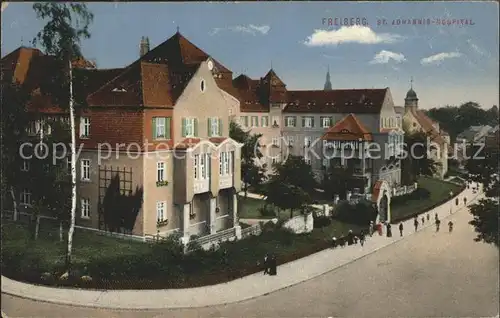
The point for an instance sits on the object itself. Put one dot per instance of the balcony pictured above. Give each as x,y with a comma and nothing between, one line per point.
201,185
226,181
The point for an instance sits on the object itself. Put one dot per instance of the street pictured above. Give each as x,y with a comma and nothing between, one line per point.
428,274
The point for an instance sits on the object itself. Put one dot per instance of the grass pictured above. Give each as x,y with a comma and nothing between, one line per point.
439,192
249,208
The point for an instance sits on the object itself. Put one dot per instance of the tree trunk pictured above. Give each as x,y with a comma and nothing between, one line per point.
37,226
73,168
14,202
60,231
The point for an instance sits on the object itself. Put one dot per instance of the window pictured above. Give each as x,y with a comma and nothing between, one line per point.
265,121
290,140
290,121
274,160
255,121
325,122
307,141
202,85
203,167
225,162
244,121
161,127
31,129
160,171
276,121
189,127
85,170
84,127
214,127
196,163
25,166
25,197
275,141
85,208
161,211
308,122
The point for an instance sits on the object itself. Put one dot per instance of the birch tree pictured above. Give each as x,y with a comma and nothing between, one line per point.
66,25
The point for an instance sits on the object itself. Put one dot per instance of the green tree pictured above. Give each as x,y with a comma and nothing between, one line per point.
291,185
483,167
13,133
252,174
416,159
67,24
337,180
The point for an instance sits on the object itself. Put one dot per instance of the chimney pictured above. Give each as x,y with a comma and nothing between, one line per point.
144,46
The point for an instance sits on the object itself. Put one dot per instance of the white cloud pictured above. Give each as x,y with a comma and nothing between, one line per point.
350,34
250,29
438,58
383,57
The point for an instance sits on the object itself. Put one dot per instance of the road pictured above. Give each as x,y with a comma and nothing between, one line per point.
428,274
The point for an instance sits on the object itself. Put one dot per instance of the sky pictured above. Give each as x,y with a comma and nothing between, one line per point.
449,64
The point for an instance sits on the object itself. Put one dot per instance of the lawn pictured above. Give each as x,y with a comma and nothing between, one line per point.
249,208
439,192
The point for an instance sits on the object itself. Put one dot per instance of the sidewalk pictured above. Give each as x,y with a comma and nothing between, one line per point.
245,288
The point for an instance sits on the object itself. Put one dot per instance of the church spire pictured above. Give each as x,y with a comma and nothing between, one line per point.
328,84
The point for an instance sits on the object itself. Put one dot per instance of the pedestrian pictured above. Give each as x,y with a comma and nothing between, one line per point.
350,238
401,229
436,217
371,229
438,223
356,239
342,242
423,221
415,223
266,264
334,242
450,226
362,238
428,217
465,201
273,266
389,231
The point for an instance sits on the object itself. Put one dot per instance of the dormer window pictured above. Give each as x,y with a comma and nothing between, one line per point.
119,90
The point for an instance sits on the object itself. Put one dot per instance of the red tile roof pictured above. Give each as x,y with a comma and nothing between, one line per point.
349,128
428,127
366,101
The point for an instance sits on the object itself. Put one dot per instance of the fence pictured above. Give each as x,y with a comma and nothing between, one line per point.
208,240
251,230
396,192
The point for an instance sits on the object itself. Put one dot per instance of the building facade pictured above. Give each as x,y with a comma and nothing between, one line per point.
153,140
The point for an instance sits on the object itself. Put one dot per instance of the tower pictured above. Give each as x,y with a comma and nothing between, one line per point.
328,84
144,46
411,100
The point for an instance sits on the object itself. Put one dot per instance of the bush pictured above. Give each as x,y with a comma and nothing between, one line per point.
267,211
361,213
418,194
322,221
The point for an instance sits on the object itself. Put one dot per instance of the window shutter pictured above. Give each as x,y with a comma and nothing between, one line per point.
303,121
209,127
195,123
312,121
331,121
183,127
167,127
153,125
294,121
221,132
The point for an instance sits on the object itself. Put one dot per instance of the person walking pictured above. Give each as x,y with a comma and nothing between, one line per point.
350,238
334,242
450,226
389,231
465,201
372,228
273,267
415,223
362,238
436,217
438,223
401,229
266,264
428,217
423,221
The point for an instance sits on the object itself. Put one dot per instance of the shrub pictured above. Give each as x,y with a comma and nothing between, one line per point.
361,213
267,211
322,221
